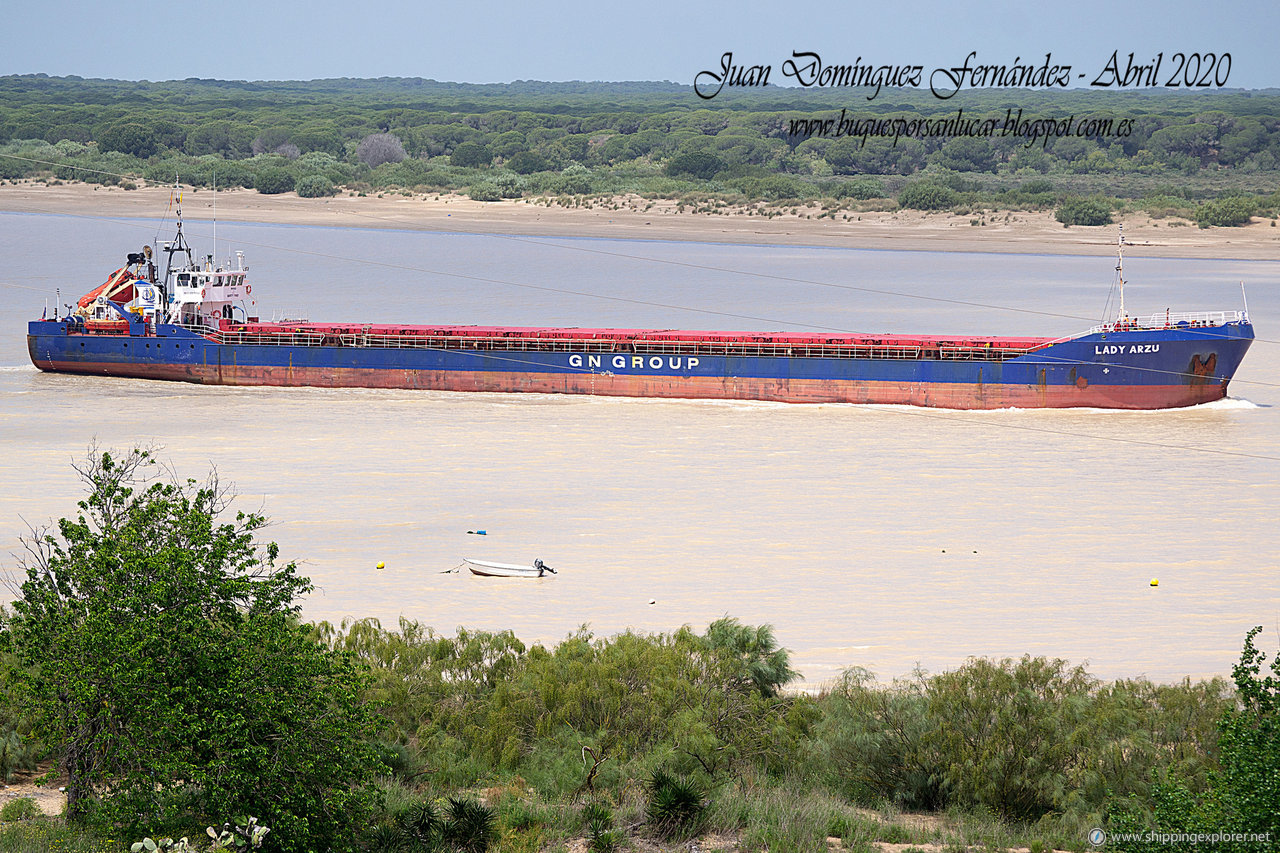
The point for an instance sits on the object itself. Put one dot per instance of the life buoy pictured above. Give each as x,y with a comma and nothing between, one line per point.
204,293
248,288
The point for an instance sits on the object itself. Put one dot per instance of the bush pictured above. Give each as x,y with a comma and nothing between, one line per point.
485,191
378,148
574,180
528,162
774,187
23,808
602,836
315,186
1010,733
469,825
273,181
923,195
861,189
871,742
695,164
1083,211
1037,186
1226,212
509,185
675,803
471,155
129,138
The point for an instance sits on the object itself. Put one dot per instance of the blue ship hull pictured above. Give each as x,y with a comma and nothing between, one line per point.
1139,369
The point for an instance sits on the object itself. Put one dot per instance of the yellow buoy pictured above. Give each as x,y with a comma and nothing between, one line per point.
382,565
1155,582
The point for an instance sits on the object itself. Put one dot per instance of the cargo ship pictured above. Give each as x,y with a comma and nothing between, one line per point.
194,323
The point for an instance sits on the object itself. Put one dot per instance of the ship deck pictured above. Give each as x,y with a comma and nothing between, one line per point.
628,341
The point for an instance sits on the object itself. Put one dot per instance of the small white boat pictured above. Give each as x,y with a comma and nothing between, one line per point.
507,570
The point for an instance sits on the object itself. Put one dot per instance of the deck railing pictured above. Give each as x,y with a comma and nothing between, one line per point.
641,347
1172,320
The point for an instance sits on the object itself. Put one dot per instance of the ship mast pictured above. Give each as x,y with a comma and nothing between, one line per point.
172,247
1124,315
179,242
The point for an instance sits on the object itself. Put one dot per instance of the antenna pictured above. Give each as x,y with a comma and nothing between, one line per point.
215,216
1245,297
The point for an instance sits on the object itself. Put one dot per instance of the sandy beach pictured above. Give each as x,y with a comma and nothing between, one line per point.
637,218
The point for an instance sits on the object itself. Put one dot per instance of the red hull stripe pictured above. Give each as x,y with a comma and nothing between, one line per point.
940,395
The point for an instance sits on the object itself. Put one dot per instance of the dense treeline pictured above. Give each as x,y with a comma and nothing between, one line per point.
1176,150
154,653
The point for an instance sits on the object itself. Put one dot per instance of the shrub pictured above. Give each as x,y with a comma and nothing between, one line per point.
861,189
924,195
509,185
470,825
695,164
273,181
1247,790
1242,796
1083,211
528,162
675,803
485,191
602,836
16,751
1226,212
378,148
129,138
315,186
1010,732
471,154
1037,186
871,742
23,808
774,187
574,180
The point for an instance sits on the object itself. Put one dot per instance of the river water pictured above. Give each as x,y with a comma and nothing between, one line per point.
884,537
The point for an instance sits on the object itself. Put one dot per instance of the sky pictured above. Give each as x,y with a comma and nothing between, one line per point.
494,42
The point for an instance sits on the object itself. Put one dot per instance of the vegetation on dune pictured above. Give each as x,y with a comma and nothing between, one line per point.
154,653
1211,158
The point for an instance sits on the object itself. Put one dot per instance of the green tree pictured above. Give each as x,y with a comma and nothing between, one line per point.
162,660
471,154
1010,732
528,162
129,138
1240,802
755,654
695,164
966,154
1246,793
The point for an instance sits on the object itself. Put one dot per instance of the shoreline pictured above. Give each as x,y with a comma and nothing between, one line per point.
634,218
